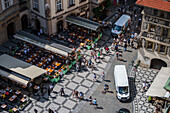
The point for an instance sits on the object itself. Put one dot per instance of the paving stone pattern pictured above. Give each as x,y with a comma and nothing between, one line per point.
141,104
80,81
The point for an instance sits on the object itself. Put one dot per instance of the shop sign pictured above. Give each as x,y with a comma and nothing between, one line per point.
157,21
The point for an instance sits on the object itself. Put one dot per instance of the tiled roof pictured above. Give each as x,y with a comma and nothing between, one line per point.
156,4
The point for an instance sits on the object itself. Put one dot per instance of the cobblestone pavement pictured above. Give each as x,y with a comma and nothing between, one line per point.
140,101
79,81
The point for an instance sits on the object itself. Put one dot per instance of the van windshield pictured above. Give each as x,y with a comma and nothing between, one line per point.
117,28
123,90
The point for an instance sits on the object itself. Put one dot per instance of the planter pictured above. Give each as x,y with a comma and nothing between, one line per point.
24,105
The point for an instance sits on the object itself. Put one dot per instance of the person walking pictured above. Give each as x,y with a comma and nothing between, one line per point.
98,55
35,111
95,103
49,91
81,95
77,94
120,56
92,66
94,77
62,92
106,88
50,110
90,100
73,93
125,46
117,55
103,75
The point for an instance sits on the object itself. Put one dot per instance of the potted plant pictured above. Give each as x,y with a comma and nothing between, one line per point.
11,111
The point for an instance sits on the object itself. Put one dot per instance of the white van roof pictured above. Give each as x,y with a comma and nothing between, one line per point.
122,20
121,75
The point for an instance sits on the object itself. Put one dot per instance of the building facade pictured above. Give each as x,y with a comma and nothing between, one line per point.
155,29
13,17
49,15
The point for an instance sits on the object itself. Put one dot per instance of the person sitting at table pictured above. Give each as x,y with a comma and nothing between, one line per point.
44,65
49,59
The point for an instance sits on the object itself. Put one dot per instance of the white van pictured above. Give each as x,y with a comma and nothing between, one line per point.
120,24
121,82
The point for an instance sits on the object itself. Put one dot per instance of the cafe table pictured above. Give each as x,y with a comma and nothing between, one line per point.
15,109
49,70
23,100
45,79
29,60
13,98
3,106
36,87
40,64
18,92
34,55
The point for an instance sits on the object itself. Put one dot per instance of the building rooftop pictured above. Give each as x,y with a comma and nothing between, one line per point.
156,4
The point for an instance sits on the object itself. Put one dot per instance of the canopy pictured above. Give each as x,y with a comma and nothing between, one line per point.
42,45
156,89
18,70
83,22
14,78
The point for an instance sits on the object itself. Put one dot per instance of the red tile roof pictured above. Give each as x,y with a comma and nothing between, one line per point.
156,4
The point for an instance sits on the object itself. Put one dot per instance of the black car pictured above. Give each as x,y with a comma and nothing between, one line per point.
123,110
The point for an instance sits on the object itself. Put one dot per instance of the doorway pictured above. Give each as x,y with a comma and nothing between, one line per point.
10,30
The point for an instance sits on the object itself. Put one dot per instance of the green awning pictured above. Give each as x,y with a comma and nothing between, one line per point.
83,22
167,85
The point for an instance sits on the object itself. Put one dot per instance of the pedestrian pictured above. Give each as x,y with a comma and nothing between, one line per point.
120,56
35,111
84,61
95,57
125,46
106,88
92,66
94,77
90,62
116,47
62,91
98,55
49,91
73,93
55,111
112,46
117,55
50,110
95,103
107,50
81,95
77,67
90,100
76,93
101,51
103,75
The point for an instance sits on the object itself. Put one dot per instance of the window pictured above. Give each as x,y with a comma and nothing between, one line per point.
152,28
161,14
155,12
59,5
7,3
36,4
71,3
